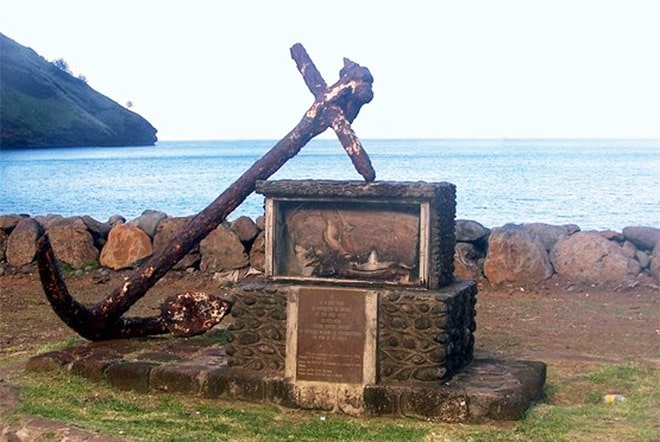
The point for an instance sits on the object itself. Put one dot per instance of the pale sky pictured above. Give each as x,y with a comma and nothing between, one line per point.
443,69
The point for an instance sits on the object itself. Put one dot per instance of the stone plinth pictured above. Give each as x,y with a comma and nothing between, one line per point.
330,342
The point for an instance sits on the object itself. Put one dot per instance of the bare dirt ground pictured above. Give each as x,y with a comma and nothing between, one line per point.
571,327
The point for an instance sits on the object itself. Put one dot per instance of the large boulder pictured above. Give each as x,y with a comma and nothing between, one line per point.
72,242
466,261
646,238
48,220
127,245
98,230
167,229
258,252
588,257
222,250
470,231
245,229
149,221
654,263
629,249
22,243
261,222
515,256
3,244
8,222
643,258
116,219
549,234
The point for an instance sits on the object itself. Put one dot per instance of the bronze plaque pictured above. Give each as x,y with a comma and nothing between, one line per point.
331,334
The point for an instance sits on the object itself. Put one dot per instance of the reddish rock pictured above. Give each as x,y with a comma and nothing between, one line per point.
245,229
646,238
258,252
466,261
116,219
167,229
222,250
654,265
3,245
571,228
612,235
587,256
629,249
126,246
8,222
261,222
72,242
22,243
48,220
548,234
643,258
515,256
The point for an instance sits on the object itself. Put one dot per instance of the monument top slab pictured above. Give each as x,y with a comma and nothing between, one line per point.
356,233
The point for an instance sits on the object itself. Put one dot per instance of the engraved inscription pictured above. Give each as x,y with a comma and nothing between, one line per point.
331,335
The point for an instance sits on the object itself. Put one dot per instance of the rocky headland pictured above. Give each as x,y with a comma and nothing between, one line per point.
44,105
520,254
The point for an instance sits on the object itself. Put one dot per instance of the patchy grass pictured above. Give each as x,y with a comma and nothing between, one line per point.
64,343
169,417
71,271
164,417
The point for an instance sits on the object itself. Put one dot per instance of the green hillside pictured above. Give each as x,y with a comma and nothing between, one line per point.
42,105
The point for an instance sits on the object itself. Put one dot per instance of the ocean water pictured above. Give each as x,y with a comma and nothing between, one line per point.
596,184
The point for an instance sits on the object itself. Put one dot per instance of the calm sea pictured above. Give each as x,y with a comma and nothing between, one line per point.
597,184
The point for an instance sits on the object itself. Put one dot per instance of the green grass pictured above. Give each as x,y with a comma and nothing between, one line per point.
65,343
69,270
164,417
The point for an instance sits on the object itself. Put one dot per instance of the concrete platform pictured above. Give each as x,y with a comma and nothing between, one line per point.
487,389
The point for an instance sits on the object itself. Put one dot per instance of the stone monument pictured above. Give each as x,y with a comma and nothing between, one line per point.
359,311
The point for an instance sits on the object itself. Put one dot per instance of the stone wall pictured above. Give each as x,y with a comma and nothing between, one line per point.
528,254
81,242
522,254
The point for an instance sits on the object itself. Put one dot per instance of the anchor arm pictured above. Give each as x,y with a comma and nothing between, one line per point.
336,106
339,119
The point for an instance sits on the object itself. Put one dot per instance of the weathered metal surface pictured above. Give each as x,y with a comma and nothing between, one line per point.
331,334
335,106
339,118
193,313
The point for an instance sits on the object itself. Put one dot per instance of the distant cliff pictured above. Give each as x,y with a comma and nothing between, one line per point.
42,105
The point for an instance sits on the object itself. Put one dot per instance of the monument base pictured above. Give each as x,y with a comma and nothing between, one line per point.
369,350
352,335
488,389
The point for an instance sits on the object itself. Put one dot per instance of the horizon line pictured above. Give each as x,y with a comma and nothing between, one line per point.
436,139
